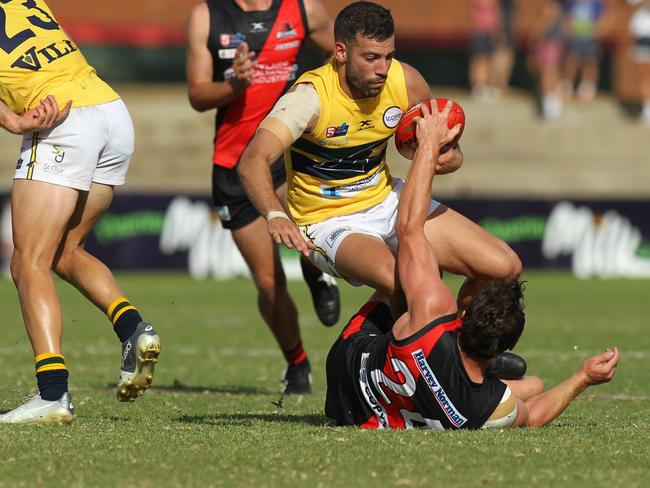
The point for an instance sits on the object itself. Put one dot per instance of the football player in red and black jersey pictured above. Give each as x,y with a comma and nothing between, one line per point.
428,367
242,55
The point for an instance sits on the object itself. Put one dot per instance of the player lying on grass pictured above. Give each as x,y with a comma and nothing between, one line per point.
428,368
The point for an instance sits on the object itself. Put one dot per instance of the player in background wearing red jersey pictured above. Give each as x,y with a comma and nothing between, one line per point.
428,368
242,55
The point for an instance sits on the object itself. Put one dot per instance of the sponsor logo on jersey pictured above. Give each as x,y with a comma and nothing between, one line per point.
366,124
337,130
369,396
392,116
257,27
439,393
34,59
287,45
232,40
351,189
333,237
286,31
227,53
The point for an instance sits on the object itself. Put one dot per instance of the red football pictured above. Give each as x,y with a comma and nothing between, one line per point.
405,140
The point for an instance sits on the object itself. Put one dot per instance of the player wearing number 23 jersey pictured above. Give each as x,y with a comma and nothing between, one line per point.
77,144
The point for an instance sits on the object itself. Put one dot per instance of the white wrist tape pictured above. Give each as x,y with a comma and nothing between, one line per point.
273,214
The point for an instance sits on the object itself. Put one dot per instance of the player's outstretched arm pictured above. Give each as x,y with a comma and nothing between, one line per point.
547,406
426,295
44,116
203,92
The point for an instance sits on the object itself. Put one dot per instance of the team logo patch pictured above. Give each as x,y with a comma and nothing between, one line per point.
392,116
439,393
58,153
337,131
286,31
232,40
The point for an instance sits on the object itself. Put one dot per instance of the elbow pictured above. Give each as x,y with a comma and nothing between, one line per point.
197,104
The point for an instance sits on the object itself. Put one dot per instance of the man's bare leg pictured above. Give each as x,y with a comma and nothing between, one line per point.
274,302
140,342
40,214
74,264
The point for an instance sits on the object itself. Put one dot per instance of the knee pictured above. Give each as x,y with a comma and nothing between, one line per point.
269,285
536,385
23,264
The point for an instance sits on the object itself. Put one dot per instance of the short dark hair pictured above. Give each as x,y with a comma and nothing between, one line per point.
366,18
494,320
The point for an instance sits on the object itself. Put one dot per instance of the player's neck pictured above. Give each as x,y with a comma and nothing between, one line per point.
253,5
475,368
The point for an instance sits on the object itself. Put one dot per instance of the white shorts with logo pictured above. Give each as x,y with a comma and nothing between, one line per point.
378,221
93,144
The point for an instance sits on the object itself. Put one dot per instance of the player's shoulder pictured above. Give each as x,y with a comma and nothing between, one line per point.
198,12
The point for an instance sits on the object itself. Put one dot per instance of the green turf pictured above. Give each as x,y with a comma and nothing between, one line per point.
214,420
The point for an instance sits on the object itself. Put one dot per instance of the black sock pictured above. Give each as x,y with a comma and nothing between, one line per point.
124,317
51,376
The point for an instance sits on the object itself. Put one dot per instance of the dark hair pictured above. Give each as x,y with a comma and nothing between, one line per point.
494,320
366,18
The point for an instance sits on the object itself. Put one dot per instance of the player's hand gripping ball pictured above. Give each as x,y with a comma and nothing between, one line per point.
405,139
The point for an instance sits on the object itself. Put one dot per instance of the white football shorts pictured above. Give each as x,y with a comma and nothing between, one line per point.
93,144
378,221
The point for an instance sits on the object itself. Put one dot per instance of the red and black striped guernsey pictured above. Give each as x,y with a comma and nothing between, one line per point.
277,36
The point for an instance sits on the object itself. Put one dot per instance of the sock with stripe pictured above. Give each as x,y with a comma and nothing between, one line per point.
124,317
296,355
51,375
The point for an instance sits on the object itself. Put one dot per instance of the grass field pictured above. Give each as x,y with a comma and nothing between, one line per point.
215,418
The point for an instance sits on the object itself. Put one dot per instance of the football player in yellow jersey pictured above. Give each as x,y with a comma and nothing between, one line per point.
69,163
363,91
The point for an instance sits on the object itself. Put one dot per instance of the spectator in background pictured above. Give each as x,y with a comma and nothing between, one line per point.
547,48
505,50
585,24
486,25
640,29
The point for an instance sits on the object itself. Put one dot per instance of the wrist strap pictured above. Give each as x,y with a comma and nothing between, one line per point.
273,214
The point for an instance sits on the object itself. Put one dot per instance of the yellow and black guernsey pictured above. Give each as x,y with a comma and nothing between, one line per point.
340,167
38,59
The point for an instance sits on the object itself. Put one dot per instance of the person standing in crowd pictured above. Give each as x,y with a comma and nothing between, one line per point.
70,161
640,29
586,24
241,57
547,48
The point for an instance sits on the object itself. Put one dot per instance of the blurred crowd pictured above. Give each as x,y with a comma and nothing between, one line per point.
563,49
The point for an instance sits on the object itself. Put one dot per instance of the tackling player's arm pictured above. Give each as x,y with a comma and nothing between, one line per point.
542,408
203,92
417,89
295,112
44,116
321,27
427,297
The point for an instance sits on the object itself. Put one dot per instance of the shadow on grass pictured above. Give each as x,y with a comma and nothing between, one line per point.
247,419
178,387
